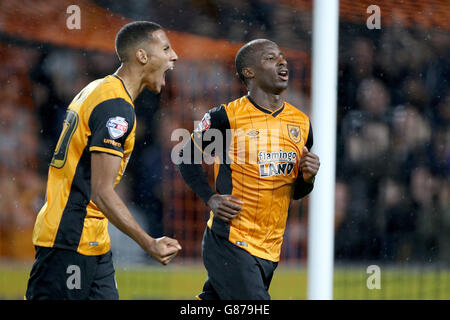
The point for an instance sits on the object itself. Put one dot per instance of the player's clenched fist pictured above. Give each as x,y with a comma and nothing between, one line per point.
225,206
164,249
309,165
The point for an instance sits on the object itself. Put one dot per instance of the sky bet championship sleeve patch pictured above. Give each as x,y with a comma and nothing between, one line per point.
111,122
217,119
204,124
117,127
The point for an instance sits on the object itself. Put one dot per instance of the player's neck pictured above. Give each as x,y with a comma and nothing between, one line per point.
266,100
133,83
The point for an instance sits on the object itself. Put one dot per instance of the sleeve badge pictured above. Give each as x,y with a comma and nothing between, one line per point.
117,127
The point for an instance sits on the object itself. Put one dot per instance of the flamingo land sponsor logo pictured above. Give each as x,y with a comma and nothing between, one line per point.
117,127
276,163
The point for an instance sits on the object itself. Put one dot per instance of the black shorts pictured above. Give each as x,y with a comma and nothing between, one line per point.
233,273
60,274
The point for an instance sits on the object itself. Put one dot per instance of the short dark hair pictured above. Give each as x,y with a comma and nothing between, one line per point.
131,34
245,55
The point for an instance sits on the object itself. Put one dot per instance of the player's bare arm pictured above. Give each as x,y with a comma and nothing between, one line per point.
225,207
104,170
309,165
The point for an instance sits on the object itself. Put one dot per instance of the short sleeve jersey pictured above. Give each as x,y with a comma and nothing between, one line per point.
100,118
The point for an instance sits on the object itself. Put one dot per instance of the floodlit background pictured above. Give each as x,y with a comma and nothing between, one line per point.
393,148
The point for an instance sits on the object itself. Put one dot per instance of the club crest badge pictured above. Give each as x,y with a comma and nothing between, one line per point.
117,127
294,133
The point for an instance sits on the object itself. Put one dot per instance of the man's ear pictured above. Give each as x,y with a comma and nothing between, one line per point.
248,73
141,56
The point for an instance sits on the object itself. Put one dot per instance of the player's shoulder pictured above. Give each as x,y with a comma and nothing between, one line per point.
225,109
234,106
295,112
237,103
228,110
219,116
108,91
112,87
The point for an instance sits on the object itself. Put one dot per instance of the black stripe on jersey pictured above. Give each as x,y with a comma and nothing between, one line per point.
224,184
72,220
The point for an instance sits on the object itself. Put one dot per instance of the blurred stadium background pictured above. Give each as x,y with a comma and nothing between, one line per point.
393,147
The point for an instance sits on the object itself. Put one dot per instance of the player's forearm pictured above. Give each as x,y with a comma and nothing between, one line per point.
118,214
193,174
196,179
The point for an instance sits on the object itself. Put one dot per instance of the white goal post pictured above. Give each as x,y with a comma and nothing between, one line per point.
324,108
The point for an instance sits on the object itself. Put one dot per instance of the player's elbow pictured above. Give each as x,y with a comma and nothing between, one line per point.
96,198
184,164
183,169
99,195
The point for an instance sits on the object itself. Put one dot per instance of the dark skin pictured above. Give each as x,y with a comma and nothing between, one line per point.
267,77
264,83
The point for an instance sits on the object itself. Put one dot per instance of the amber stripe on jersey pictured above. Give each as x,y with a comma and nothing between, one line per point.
100,118
264,150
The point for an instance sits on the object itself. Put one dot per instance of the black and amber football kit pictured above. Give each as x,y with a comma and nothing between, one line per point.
100,118
257,162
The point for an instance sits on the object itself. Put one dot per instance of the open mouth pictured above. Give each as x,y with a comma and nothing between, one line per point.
164,74
283,74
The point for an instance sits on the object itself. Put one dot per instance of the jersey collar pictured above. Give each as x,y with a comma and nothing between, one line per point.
272,113
123,84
